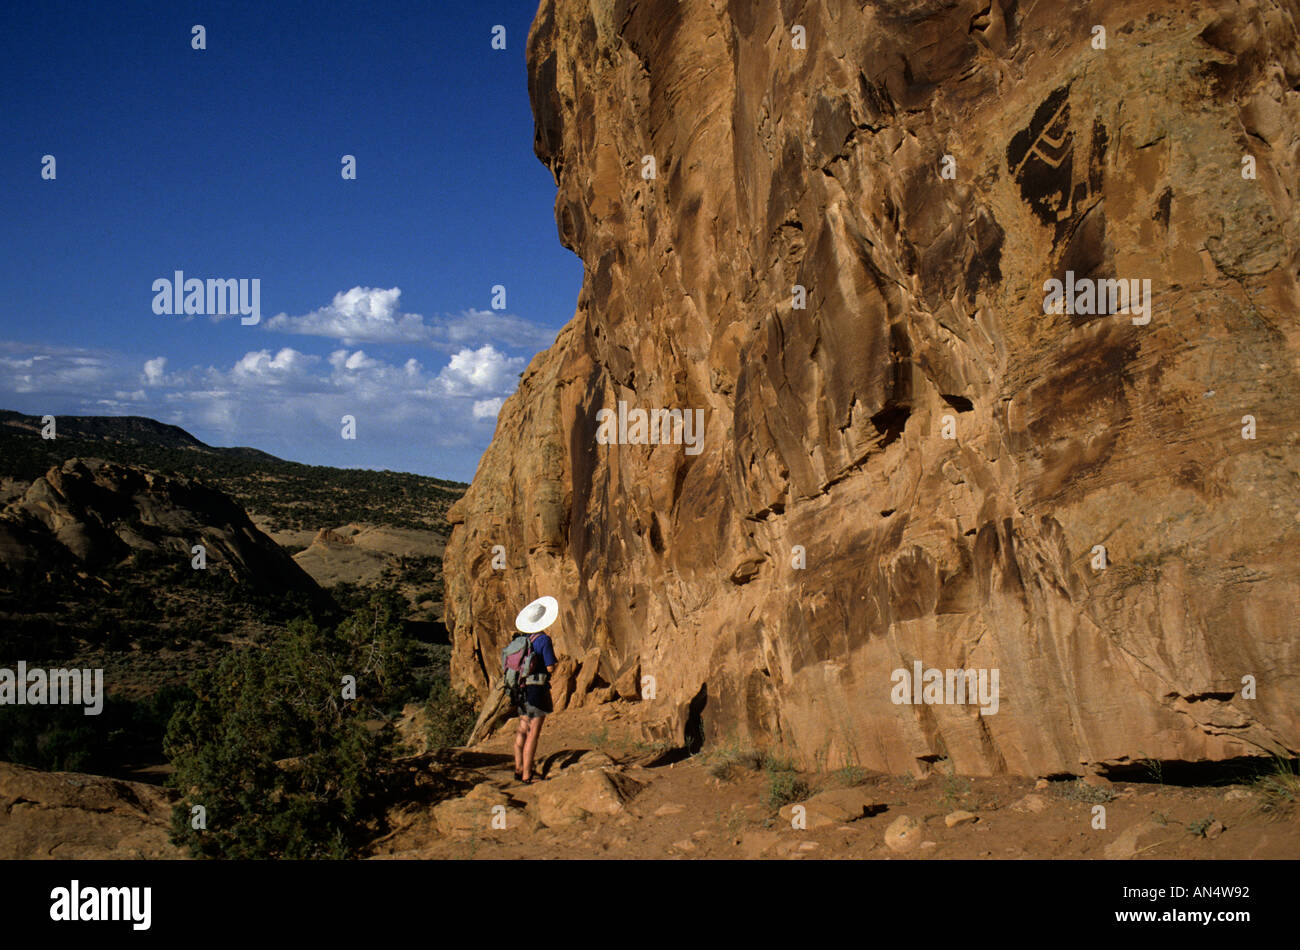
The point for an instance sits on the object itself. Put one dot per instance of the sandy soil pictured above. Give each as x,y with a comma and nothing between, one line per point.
711,806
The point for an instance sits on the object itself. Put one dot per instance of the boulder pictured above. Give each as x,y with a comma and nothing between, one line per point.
587,677
627,681
1136,838
82,817
903,834
562,681
473,813
1031,803
496,710
575,795
835,807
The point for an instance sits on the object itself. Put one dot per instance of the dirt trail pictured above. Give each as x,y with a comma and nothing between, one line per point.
607,794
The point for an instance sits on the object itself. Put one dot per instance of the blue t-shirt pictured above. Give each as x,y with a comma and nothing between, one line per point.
543,647
538,695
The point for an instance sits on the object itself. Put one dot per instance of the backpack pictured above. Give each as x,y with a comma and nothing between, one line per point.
519,666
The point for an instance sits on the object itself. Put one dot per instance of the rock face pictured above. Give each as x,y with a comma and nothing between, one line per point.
923,460
88,514
68,815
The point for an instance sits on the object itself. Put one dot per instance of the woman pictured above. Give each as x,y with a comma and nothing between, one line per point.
532,620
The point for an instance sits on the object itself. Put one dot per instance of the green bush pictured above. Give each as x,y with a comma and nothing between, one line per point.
283,764
65,739
783,783
451,715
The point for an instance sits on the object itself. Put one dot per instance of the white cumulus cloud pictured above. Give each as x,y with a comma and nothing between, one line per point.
482,371
153,370
362,314
374,315
487,408
261,368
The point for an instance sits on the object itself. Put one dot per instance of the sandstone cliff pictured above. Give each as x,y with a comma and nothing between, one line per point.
828,532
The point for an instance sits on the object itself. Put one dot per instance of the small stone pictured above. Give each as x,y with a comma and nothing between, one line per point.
927,845
686,844
808,846
755,843
1216,828
1031,803
1236,795
903,834
960,818
672,808
1041,784
1133,839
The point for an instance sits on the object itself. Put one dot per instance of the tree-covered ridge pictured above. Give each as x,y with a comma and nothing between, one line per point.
291,495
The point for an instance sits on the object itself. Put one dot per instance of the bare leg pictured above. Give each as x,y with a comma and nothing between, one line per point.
521,736
530,746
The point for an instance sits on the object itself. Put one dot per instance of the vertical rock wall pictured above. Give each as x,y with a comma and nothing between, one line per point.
827,533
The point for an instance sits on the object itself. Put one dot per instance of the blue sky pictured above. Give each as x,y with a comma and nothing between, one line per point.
375,294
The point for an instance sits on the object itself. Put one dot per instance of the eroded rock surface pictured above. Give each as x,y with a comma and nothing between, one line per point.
68,815
827,533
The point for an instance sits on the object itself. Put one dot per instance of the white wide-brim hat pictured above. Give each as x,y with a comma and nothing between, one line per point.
538,615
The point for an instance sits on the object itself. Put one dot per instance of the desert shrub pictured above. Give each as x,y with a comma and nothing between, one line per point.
851,775
282,763
451,715
373,632
783,783
731,761
1278,786
1081,791
65,739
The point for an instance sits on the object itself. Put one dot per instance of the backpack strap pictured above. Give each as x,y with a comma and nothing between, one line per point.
534,678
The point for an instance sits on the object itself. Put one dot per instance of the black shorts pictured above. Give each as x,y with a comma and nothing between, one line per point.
537,702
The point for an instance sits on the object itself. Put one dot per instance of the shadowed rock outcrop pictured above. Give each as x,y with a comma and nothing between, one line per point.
68,815
923,461
91,514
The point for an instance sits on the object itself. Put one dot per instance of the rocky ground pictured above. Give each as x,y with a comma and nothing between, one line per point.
66,815
606,793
